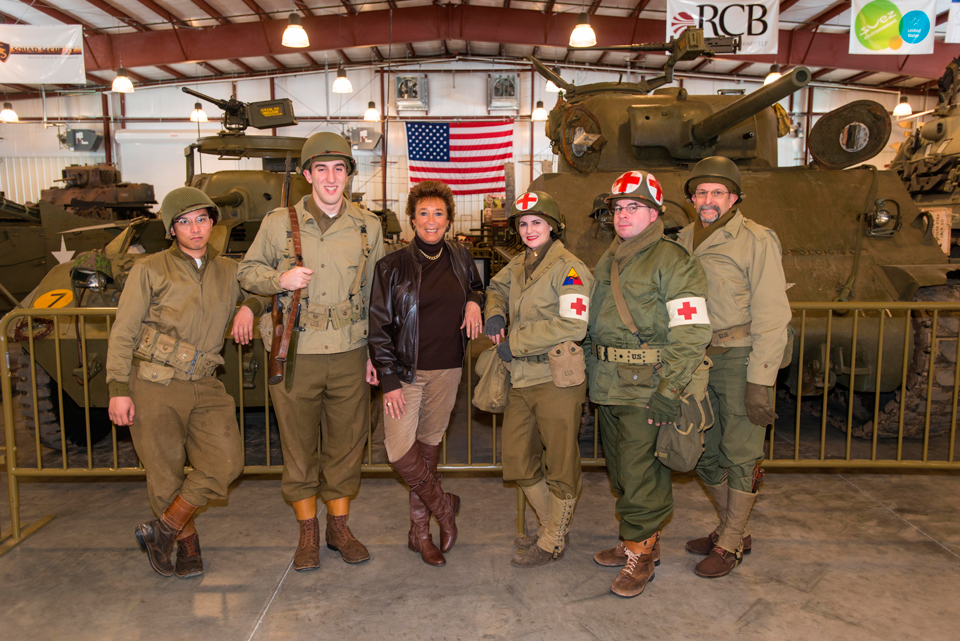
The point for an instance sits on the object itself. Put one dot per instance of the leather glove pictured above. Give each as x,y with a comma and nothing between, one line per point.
503,349
661,409
494,325
757,400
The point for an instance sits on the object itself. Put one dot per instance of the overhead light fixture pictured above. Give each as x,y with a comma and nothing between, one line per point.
774,74
198,114
583,35
122,84
902,110
552,88
8,114
371,114
342,83
294,35
539,113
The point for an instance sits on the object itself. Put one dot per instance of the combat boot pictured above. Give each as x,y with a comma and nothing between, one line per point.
639,569
704,544
339,537
617,557
448,526
553,537
538,496
307,556
419,538
189,559
157,537
728,552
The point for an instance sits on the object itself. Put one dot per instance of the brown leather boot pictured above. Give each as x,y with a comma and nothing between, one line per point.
448,526
705,545
307,556
341,539
419,539
617,557
189,560
718,563
639,569
528,541
728,552
157,537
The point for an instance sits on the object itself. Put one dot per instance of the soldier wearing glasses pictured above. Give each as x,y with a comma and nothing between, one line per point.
750,312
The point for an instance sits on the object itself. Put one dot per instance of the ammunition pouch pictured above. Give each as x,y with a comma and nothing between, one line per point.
340,315
188,362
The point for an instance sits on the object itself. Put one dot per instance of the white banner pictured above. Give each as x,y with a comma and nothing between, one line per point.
41,55
953,23
892,27
758,23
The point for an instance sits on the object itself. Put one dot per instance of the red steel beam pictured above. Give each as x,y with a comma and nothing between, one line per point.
826,16
240,63
700,65
306,56
12,19
55,13
210,11
343,56
594,6
640,7
740,69
821,73
173,72
163,13
379,56
786,4
304,9
857,77
257,9
603,56
119,15
469,23
942,17
350,8
276,63
893,81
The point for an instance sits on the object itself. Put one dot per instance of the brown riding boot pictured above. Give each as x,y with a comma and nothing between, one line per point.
339,537
307,556
617,557
189,560
157,537
639,569
448,526
728,551
704,545
419,539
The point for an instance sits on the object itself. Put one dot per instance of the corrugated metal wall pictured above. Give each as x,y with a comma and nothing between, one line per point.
22,178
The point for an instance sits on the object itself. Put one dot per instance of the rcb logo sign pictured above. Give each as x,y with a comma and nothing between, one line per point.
4,51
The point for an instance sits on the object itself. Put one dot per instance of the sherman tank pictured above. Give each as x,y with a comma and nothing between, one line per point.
848,233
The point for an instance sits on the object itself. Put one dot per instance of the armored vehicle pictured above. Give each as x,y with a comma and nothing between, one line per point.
851,235
96,278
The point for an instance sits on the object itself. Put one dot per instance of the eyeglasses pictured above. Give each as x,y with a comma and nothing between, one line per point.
632,208
184,223
716,193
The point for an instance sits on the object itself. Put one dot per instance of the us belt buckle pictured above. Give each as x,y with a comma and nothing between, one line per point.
636,356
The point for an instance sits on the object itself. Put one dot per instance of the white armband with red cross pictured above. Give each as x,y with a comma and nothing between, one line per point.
688,311
575,306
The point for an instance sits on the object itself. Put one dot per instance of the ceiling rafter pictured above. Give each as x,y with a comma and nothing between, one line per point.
549,8
113,12
173,72
379,56
257,9
502,51
276,63
209,67
163,13
857,77
98,81
352,10
594,6
12,19
786,4
603,56
894,81
57,14
413,52
825,16
640,7
740,68
210,11
240,63
343,56
820,73
506,4
302,6
700,65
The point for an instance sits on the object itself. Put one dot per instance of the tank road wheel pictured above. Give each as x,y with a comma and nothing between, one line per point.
48,408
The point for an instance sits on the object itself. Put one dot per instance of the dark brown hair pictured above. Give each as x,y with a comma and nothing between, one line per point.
430,189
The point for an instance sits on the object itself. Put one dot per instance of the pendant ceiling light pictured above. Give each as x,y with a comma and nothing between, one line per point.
122,84
371,114
198,114
342,83
8,114
903,109
774,74
539,114
583,35
294,35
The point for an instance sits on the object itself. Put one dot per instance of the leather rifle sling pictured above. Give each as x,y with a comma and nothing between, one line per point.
291,320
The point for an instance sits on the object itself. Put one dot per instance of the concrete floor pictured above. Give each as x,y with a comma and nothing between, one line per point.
836,556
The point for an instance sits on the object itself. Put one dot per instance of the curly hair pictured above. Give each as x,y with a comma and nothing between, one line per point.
430,189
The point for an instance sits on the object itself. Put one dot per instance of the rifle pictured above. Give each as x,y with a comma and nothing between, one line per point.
283,331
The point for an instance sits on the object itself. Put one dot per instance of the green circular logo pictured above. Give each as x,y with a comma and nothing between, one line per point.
878,26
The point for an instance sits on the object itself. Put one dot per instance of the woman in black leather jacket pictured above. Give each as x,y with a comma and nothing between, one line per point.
426,301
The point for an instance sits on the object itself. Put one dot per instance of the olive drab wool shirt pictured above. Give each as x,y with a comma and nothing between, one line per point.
333,255
661,273
169,293
549,308
745,276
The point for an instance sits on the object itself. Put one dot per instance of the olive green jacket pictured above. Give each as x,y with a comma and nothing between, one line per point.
663,272
543,311
169,293
743,264
334,257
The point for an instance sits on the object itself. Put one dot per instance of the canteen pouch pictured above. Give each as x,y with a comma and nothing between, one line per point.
680,444
490,394
567,365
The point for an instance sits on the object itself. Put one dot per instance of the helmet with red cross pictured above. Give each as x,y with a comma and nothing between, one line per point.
641,186
537,203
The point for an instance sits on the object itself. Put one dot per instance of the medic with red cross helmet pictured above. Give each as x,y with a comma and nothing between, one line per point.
647,334
544,291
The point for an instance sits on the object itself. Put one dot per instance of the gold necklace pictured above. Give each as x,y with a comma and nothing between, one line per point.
428,256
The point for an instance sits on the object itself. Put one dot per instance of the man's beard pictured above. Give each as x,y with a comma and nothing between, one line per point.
709,208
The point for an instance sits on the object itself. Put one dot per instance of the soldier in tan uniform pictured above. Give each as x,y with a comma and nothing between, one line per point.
544,292
324,417
750,312
648,330
164,349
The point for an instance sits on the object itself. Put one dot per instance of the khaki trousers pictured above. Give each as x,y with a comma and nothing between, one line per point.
185,420
540,427
429,402
323,422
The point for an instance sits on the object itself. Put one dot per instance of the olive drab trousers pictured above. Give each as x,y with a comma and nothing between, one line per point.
193,421
540,427
641,482
324,420
733,445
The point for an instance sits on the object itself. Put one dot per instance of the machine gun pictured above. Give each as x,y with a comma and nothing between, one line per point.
238,115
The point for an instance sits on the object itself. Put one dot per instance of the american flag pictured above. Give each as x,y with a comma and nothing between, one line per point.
468,156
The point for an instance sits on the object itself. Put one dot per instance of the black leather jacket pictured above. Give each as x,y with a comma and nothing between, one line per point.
394,323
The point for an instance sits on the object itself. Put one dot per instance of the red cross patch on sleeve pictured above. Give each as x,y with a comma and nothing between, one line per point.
573,278
575,306
688,311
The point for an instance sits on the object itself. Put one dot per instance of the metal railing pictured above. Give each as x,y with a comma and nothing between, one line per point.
866,336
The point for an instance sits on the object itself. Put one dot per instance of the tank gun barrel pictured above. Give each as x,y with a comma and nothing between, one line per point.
736,112
549,74
230,199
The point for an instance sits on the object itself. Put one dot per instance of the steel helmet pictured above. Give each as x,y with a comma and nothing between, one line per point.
715,169
641,186
327,145
538,203
184,200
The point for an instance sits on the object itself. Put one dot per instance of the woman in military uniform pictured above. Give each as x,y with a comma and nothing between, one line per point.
544,293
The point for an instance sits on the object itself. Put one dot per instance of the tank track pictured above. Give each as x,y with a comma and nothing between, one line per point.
49,423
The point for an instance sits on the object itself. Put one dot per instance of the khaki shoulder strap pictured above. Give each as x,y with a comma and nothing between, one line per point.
362,266
622,308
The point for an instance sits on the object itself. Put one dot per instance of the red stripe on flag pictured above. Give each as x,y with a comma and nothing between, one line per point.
481,123
456,170
491,159
498,134
475,181
497,145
